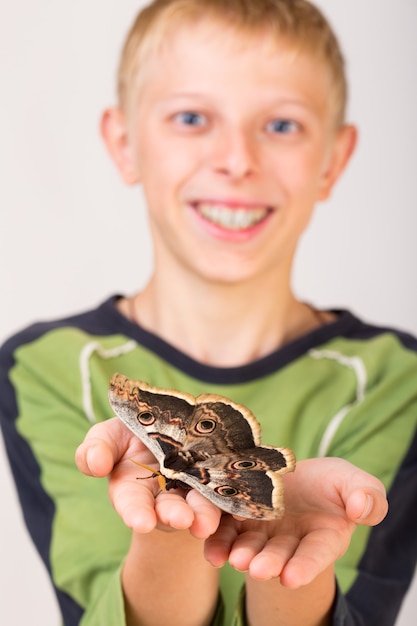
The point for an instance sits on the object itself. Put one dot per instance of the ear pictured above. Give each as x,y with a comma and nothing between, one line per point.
344,144
115,136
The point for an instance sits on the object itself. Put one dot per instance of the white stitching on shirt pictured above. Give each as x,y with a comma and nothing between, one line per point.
359,369
85,355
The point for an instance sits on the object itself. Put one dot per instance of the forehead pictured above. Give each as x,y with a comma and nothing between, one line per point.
210,56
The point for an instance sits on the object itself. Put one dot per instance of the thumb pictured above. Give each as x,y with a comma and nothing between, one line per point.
367,506
104,445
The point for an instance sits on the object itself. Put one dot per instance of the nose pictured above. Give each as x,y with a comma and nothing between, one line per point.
234,153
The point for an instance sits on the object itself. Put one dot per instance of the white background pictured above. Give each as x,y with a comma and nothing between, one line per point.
71,234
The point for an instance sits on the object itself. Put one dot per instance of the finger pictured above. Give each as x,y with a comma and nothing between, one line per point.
315,552
217,547
364,496
207,516
94,458
133,500
264,559
173,511
104,444
367,507
246,546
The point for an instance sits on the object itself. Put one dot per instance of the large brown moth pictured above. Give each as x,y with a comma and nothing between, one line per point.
208,443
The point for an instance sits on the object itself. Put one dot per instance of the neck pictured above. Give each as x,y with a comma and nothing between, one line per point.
221,324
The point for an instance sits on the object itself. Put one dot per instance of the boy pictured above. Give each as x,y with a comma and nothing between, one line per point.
231,117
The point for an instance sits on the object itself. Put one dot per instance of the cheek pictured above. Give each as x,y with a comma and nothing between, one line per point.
296,179
166,165
305,175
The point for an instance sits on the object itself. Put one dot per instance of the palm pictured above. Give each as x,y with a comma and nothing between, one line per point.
325,499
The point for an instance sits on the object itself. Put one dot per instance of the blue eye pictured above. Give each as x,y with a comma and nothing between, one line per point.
190,118
283,126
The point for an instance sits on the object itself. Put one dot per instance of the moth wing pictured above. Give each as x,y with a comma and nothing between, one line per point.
220,426
160,418
249,485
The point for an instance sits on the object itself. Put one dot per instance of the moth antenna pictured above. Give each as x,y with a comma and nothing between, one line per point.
154,474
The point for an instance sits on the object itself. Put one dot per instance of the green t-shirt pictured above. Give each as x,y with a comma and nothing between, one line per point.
346,389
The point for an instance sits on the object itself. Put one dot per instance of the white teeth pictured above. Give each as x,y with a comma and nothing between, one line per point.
232,219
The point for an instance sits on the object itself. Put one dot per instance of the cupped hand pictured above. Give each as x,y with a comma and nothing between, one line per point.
110,449
325,499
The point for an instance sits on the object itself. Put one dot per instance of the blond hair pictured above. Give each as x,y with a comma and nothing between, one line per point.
297,22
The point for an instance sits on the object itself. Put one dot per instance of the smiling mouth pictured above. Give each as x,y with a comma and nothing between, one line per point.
235,219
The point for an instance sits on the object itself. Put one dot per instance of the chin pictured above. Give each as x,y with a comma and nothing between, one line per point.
226,275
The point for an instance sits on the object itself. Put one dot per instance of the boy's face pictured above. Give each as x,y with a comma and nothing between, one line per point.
233,141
